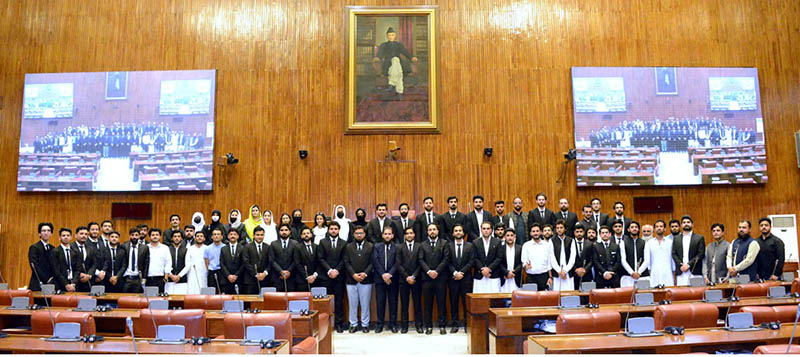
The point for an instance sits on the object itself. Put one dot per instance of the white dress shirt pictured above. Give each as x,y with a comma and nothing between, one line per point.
687,240
160,261
510,257
537,254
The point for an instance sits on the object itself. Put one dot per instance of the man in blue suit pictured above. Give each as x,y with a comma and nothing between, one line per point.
384,261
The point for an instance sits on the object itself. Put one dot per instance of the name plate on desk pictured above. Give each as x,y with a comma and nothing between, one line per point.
777,292
696,281
159,305
570,302
530,287
19,303
740,321
587,286
151,291
267,290
86,305
232,306
48,289
98,290
742,279
208,291
66,332
170,335
643,284
713,296
787,276
644,299
256,334
641,327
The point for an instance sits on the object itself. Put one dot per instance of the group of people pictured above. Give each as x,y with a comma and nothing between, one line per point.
416,260
671,135
117,140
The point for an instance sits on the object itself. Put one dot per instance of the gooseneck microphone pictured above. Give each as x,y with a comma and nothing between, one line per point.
217,281
129,322
46,303
775,266
630,304
241,314
796,316
87,273
255,266
309,284
147,298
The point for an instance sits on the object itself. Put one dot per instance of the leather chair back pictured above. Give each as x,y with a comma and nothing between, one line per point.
134,302
67,300
7,295
754,289
588,322
761,314
524,298
205,302
282,321
687,315
796,285
685,293
193,320
776,349
41,324
280,301
611,296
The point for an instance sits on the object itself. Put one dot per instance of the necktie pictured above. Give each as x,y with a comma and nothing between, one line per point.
433,244
175,261
308,246
405,223
284,244
386,259
333,241
453,215
359,248
69,263
258,250
430,218
580,248
133,257
113,257
83,254
458,252
233,250
606,244
47,248
564,214
410,247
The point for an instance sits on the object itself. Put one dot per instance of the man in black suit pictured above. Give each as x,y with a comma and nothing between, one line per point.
232,264
582,270
462,257
564,254
619,215
606,261
358,264
331,269
401,222
686,259
541,214
114,266
283,255
499,214
486,261
308,261
409,274
88,259
177,252
450,218
510,267
475,218
257,263
588,220
570,218
376,225
39,258
433,259
424,219
66,263
384,262
134,250
598,217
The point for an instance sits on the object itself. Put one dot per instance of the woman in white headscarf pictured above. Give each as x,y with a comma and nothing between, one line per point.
270,228
340,216
235,222
396,76
199,223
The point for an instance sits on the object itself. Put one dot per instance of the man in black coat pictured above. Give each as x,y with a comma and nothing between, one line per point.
65,263
570,218
331,271
88,259
376,225
402,221
283,255
358,264
606,260
232,263
486,260
582,269
598,217
688,264
115,264
257,263
475,218
459,267
433,259
409,274
177,252
426,217
541,214
308,261
449,219
619,215
39,258
512,272
384,262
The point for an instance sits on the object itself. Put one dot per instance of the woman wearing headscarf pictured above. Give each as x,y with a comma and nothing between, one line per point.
320,229
199,223
235,222
361,221
253,221
270,228
216,221
340,216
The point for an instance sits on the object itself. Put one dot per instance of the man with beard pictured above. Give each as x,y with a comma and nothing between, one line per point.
687,250
742,253
358,264
658,256
174,225
591,235
39,257
462,255
570,218
94,235
331,269
232,263
115,265
631,252
384,262
143,229
234,223
475,219
582,270
177,251
563,258
510,256
188,234
308,261
433,260
424,219
771,252
714,265
606,260
588,220
619,215
598,217
647,232
88,259
284,254
500,217
257,263
403,221
499,232
134,250
633,229
409,274
547,232
377,224
449,219
106,227
536,253
487,276
541,214
519,221
65,262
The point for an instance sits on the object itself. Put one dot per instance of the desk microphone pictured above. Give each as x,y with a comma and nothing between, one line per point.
255,266
309,284
796,316
217,281
129,322
87,273
241,313
730,307
630,304
773,269
285,290
50,313
147,298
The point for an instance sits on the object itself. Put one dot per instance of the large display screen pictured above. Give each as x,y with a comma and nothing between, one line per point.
117,131
643,126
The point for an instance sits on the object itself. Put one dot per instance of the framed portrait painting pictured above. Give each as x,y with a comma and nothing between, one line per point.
392,70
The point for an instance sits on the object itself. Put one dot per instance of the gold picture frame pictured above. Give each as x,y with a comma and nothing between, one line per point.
392,70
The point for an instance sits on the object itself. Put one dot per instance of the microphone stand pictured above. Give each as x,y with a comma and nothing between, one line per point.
129,322
309,284
241,314
147,298
630,305
50,313
796,316
217,281
257,281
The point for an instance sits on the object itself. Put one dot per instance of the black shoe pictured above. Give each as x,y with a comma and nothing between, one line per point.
339,328
454,329
404,330
465,329
365,329
442,330
394,329
429,331
353,329
419,330
379,329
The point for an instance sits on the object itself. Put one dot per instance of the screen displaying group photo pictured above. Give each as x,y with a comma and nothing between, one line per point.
644,126
117,131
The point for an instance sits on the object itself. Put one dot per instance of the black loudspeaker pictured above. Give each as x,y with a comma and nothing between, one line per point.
662,204
121,210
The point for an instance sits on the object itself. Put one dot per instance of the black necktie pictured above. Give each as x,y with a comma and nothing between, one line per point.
564,214
69,263
410,247
133,255
430,218
386,259
175,263
458,252
580,248
233,250
83,255
606,244
259,250
284,244
310,253
359,248
113,257
333,243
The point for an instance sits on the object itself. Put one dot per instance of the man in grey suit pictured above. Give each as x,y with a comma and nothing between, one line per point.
714,266
688,248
